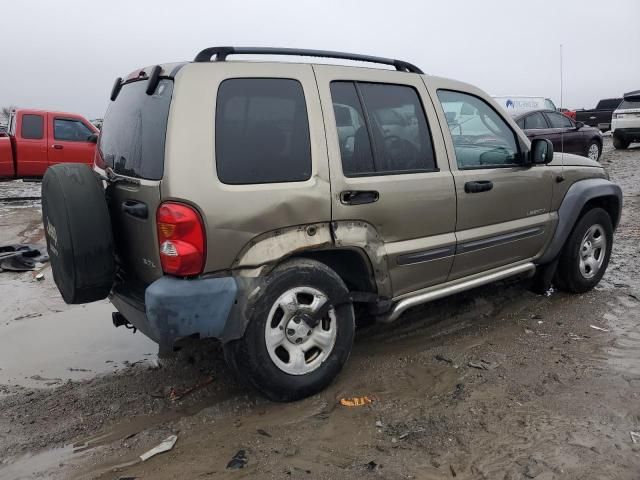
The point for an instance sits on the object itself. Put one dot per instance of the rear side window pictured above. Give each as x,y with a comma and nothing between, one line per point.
382,129
133,134
262,131
70,130
535,121
32,127
608,103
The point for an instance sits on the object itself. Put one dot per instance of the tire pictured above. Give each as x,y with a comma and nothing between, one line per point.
272,370
582,265
78,232
594,150
620,144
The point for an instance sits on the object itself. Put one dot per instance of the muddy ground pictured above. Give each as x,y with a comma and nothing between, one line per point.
554,398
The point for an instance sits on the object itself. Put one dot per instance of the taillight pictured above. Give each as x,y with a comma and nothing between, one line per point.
182,239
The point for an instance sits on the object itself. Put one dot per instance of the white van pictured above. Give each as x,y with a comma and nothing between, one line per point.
520,103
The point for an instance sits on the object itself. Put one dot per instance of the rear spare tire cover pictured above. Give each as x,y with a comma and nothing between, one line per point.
78,232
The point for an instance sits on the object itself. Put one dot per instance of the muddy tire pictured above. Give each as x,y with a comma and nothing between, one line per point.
620,144
78,232
279,354
585,255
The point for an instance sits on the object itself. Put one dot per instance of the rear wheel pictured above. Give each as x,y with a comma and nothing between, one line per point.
299,335
620,144
593,150
585,256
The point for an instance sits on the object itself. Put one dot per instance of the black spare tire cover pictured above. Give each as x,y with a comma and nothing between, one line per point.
78,232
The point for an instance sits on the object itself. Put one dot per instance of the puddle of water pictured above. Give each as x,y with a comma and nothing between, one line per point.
39,465
72,345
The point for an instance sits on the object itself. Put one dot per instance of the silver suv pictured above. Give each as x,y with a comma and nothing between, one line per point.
257,203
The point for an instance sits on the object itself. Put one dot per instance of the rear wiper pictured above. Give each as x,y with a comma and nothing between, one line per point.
113,177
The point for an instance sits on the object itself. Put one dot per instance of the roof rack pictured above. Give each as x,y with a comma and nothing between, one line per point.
221,54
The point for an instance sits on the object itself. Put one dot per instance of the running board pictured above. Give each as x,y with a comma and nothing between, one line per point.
453,288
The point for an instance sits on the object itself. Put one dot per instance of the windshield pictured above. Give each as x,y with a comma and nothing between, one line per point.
631,103
133,133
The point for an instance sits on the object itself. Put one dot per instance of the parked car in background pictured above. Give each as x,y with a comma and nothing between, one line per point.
257,202
520,103
3,130
567,112
600,116
625,124
565,134
38,139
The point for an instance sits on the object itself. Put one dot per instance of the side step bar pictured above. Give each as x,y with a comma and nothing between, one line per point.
453,288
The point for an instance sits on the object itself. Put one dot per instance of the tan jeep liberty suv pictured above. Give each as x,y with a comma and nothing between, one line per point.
257,202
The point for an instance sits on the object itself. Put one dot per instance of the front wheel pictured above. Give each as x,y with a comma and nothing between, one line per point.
299,335
585,256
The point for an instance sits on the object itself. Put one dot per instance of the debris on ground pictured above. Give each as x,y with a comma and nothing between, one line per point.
175,394
239,460
442,358
357,401
635,437
22,258
595,327
39,277
371,466
483,364
264,433
166,445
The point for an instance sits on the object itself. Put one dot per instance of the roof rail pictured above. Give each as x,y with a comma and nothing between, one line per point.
221,54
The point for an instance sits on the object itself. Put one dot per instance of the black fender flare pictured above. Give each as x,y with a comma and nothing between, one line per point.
578,195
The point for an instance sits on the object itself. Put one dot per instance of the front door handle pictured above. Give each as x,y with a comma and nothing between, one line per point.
359,197
135,208
57,147
478,186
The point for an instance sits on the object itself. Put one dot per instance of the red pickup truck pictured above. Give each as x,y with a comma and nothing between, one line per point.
36,139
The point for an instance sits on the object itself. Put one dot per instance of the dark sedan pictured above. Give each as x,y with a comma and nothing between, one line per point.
567,136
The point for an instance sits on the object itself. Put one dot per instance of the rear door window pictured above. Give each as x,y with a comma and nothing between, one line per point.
262,131
70,130
385,131
32,127
133,134
535,121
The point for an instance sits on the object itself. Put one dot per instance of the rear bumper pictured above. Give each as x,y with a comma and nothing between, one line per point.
175,308
627,134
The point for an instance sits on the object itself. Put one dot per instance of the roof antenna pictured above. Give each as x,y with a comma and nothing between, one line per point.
560,177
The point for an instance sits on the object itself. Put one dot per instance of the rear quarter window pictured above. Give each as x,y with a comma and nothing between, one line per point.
262,131
32,127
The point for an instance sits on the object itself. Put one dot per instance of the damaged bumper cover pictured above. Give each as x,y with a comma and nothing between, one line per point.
175,308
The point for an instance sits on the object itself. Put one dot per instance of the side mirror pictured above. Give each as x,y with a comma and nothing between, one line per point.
93,138
541,151
579,125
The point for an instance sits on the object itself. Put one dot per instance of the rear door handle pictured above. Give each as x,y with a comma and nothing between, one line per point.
478,186
135,208
57,147
359,197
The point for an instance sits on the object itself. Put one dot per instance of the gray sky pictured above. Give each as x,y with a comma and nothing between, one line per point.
65,54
